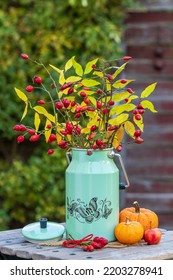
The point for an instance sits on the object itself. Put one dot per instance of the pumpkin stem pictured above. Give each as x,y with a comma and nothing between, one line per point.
137,207
127,220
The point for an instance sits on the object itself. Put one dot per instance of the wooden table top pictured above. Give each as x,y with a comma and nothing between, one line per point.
13,244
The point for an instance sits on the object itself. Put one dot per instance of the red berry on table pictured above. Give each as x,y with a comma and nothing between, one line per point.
41,102
50,151
20,138
103,241
37,80
34,138
137,117
24,56
29,88
59,105
90,248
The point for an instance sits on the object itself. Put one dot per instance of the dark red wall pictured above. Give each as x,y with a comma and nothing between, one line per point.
149,40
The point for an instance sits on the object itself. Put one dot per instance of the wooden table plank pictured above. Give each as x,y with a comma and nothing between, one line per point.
13,244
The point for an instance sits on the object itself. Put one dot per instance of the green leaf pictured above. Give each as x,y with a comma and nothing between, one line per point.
93,100
119,119
146,104
37,121
90,82
21,95
148,90
88,67
77,67
69,63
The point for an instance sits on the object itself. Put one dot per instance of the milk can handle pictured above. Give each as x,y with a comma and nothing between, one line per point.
68,157
112,154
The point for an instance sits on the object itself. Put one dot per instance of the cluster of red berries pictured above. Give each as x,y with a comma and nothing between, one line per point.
97,243
138,112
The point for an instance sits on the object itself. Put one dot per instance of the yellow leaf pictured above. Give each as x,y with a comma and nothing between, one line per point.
122,108
55,68
41,110
88,67
139,123
47,131
132,97
120,134
129,128
69,63
21,95
93,100
25,111
36,121
61,78
148,90
73,79
146,104
85,130
77,67
119,119
115,142
98,73
119,70
120,96
90,82
119,85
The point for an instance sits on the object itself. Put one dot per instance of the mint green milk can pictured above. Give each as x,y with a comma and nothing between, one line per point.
92,193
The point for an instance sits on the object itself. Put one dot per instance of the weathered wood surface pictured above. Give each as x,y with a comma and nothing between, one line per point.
13,244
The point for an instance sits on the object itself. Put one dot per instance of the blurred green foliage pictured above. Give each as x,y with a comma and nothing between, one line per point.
51,32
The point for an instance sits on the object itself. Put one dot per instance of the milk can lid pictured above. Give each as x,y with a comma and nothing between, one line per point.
43,231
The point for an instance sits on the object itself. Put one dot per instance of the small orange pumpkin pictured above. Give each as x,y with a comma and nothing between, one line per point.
146,217
129,232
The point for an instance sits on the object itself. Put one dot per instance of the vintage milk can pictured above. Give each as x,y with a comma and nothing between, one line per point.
92,193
